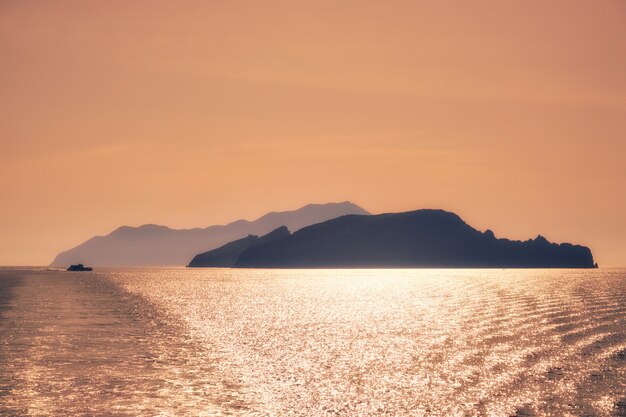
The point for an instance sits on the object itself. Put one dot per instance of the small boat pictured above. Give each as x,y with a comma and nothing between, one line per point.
79,267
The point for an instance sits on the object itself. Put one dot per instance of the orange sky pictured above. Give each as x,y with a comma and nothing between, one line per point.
510,113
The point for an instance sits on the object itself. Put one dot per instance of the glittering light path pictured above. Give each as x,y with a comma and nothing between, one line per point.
330,342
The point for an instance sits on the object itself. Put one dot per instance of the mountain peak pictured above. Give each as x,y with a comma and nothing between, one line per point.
341,205
143,229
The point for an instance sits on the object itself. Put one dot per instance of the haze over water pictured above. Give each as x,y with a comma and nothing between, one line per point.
313,342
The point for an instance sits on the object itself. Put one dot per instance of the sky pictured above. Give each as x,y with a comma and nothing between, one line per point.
511,114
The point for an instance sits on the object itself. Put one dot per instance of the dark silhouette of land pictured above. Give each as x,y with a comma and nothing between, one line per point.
227,255
153,245
422,238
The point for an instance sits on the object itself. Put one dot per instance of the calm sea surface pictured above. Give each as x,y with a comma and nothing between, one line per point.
313,343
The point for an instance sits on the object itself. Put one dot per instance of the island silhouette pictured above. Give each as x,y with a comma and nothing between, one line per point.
422,238
155,245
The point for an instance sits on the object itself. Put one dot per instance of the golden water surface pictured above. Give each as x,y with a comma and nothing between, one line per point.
313,342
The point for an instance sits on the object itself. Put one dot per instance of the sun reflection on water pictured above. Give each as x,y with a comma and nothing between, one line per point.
321,342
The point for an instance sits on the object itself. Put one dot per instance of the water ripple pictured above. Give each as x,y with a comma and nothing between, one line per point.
314,342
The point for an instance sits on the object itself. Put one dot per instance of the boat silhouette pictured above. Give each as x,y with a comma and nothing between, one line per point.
79,267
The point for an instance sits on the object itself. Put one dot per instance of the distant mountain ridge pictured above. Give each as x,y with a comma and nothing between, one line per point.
422,238
155,245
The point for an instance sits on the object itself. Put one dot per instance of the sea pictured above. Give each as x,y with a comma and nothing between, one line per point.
347,342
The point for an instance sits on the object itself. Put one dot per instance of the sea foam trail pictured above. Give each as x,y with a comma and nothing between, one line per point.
76,344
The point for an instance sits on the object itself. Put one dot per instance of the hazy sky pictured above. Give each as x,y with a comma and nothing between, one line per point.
510,113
